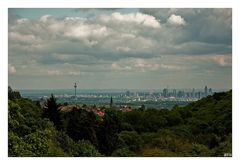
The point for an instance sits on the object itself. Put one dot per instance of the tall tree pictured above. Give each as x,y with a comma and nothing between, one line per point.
52,112
107,132
111,102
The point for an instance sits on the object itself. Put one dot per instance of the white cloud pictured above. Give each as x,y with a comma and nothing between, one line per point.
11,69
64,73
54,72
123,41
46,18
222,60
145,65
171,67
86,31
120,67
22,20
23,38
176,20
74,73
138,18
123,49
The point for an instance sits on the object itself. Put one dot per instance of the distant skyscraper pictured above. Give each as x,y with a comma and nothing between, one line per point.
205,91
174,92
210,91
165,92
128,93
199,95
193,93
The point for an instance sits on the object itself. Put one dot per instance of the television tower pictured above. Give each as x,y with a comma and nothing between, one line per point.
75,86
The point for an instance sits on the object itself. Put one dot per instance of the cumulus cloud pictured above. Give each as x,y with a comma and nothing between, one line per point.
46,18
53,72
116,35
74,73
62,72
145,65
27,39
204,25
11,69
138,18
22,20
221,60
176,20
123,49
211,60
141,41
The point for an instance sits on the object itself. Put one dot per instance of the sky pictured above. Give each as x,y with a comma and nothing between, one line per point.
119,48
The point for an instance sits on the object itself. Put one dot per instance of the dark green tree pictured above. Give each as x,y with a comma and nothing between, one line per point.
111,102
107,132
52,112
123,152
142,108
81,125
130,139
84,148
13,94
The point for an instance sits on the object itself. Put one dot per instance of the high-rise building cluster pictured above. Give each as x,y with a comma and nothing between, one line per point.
187,94
172,93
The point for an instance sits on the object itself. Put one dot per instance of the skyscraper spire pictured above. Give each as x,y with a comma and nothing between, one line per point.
206,91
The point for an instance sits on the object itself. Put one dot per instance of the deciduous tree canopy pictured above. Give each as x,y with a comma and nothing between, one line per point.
203,128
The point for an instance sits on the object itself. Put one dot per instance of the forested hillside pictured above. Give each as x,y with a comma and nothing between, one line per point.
203,128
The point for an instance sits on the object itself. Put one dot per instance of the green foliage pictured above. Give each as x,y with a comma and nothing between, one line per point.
168,140
85,148
126,127
156,152
224,147
107,132
200,150
34,144
80,124
51,111
12,95
174,118
37,142
29,133
123,152
146,121
17,146
130,139
15,118
202,128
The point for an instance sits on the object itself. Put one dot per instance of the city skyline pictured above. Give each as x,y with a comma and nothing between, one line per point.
120,48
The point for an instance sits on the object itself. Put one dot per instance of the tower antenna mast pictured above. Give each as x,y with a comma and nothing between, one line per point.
75,86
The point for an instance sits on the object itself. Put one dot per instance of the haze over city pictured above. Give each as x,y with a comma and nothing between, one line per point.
120,48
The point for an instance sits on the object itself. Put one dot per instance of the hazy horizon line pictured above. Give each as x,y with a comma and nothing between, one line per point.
124,88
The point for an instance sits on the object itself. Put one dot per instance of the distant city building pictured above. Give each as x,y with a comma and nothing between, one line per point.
193,93
128,93
199,95
174,93
205,91
210,91
165,92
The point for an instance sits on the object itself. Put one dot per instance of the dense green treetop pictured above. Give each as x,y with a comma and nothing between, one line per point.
203,128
